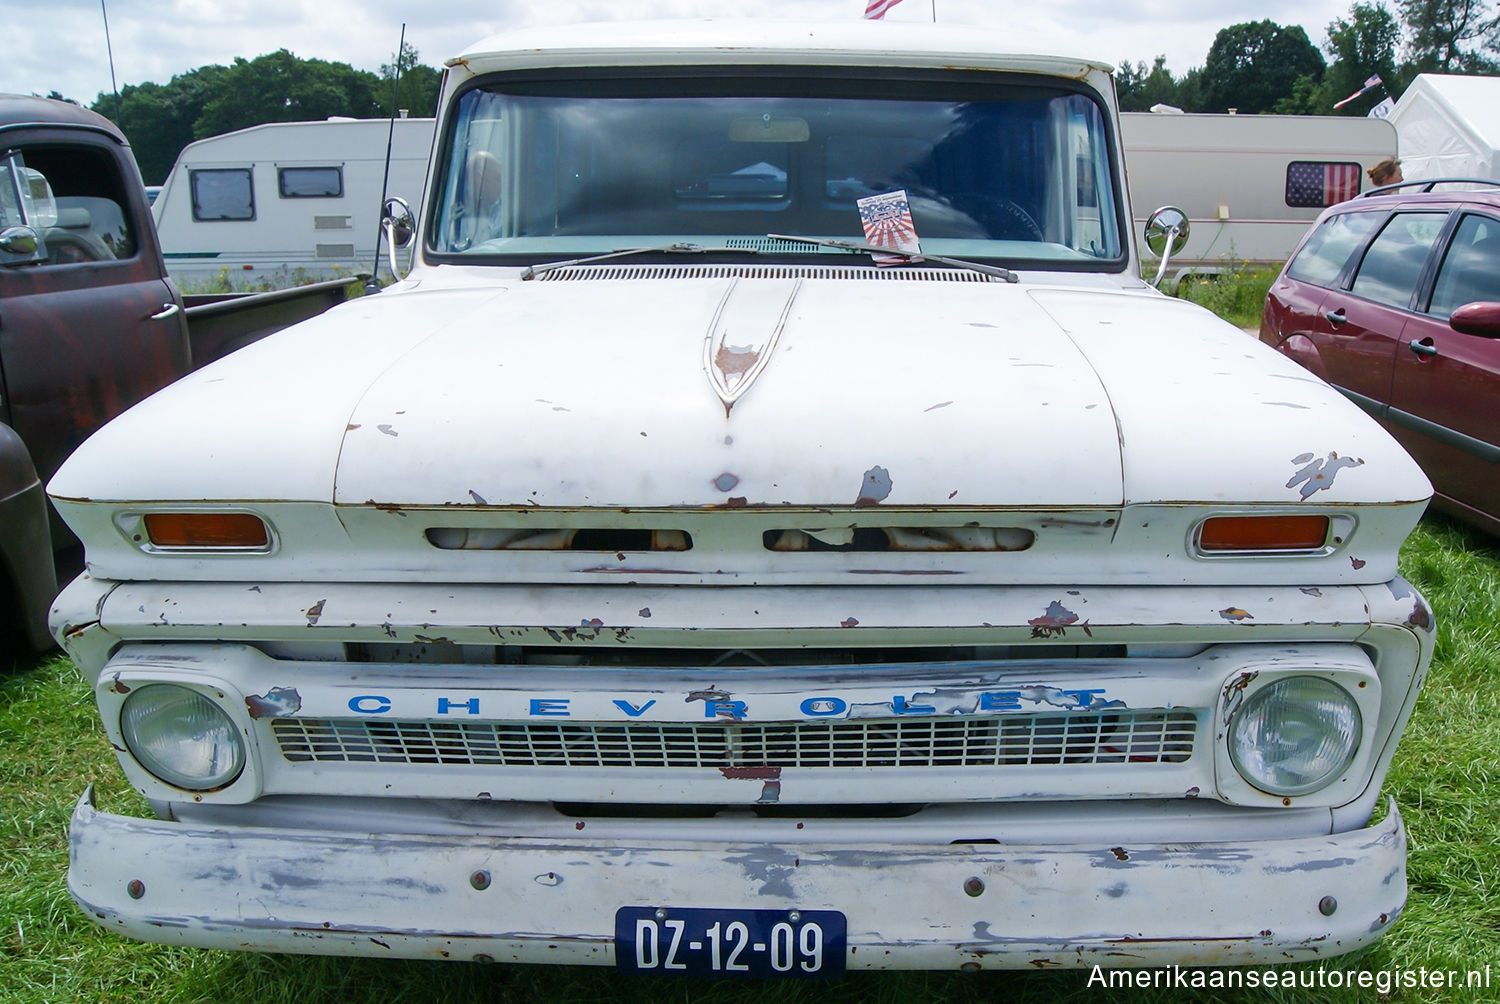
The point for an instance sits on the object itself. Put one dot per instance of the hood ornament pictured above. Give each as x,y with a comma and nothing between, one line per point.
744,332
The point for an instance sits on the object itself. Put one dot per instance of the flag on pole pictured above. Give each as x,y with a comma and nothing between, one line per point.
875,9
1370,84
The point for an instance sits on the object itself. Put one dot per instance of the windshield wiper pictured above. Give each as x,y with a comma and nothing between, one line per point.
680,247
832,242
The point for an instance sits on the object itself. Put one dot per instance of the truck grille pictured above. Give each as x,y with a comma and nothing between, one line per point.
1084,738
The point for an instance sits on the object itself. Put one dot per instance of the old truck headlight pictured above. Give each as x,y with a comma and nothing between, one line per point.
1295,736
181,737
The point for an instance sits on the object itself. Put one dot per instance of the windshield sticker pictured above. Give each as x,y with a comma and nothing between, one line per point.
888,224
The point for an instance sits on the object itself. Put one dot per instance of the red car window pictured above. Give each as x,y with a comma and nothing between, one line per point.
1471,268
1322,258
1393,265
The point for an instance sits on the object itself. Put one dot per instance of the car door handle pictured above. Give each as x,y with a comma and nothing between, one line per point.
1423,347
167,310
1335,317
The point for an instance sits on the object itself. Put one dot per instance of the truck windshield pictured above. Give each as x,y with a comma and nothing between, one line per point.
1010,172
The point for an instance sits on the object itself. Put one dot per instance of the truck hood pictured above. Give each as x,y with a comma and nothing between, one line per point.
728,390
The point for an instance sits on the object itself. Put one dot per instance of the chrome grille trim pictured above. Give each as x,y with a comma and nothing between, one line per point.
1078,739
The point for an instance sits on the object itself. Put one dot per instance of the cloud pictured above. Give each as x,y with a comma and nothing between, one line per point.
60,44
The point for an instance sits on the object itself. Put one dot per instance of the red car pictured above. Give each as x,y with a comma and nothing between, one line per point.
1394,298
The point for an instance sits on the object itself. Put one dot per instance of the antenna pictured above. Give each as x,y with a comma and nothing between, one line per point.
373,285
111,50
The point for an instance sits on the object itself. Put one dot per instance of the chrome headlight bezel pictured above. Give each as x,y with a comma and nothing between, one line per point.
1323,728
181,737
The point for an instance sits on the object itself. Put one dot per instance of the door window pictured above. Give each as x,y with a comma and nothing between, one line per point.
72,197
1393,265
1322,258
1471,268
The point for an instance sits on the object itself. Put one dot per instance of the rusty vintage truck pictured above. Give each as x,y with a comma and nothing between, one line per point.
89,321
654,578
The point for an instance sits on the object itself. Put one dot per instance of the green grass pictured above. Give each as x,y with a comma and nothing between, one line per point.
1236,294
1445,777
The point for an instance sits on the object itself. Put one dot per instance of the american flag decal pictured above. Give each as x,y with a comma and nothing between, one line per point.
888,224
1315,184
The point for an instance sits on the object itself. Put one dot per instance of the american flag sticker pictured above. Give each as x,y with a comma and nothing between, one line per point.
1313,184
888,224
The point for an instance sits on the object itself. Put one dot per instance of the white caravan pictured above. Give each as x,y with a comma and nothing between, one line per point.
286,201
1251,185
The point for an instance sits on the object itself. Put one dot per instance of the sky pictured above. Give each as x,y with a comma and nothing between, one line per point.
62,45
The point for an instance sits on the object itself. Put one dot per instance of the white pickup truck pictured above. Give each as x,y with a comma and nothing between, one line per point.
649,580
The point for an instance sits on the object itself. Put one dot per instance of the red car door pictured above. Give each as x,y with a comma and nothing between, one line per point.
1294,321
1360,328
1445,398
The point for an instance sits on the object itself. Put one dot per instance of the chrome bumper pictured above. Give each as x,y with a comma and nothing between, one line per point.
909,906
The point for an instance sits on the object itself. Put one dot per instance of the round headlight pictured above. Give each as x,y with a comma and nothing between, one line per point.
182,737
1295,736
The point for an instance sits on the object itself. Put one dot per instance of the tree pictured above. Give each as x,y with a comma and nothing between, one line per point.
1254,65
159,119
1445,34
1139,88
418,86
279,87
1363,46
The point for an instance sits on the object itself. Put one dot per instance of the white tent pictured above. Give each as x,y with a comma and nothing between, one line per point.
1449,127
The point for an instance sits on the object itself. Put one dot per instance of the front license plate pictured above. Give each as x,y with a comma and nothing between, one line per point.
759,943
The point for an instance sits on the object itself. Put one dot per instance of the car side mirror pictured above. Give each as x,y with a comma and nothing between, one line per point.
396,220
1481,318
19,245
1166,234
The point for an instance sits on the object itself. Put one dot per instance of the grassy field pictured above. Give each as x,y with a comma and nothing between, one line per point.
1445,778
1236,295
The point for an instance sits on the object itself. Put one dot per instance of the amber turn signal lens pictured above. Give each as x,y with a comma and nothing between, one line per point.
207,529
1263,533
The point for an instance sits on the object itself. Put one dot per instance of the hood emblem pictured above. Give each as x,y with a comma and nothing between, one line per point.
743,334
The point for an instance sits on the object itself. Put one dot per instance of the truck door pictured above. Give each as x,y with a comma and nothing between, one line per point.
88,322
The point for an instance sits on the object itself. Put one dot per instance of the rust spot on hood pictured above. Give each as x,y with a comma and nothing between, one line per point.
734,360
1317,474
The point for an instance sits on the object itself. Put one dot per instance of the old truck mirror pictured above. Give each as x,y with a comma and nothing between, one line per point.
396,221
1166,234
19,245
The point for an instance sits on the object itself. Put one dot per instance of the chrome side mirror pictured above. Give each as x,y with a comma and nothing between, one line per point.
1166,234
396,220
21,243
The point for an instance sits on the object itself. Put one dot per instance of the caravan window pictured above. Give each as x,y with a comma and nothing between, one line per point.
222,194
310,182
1316,184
